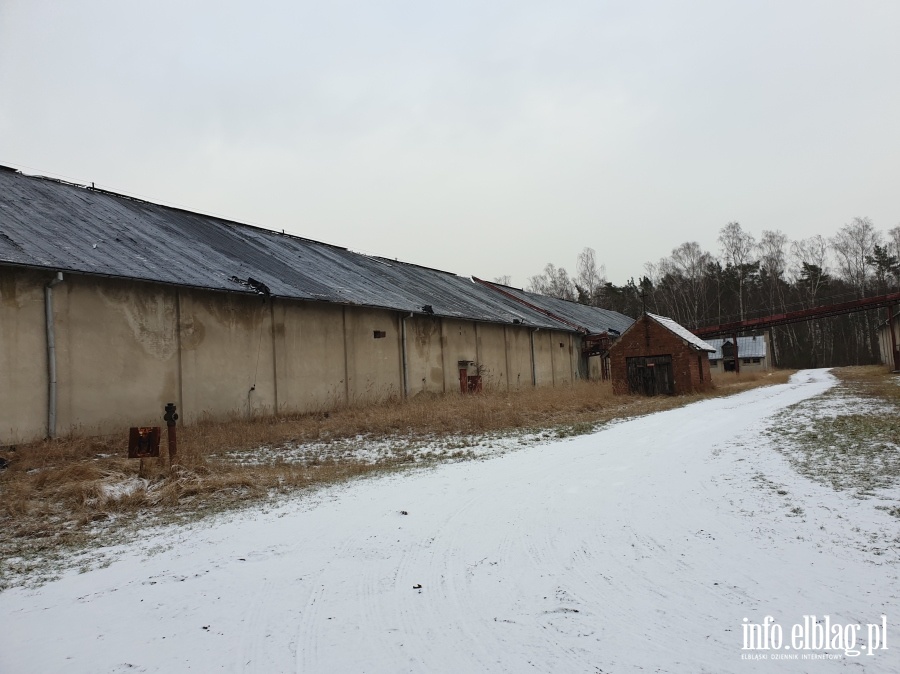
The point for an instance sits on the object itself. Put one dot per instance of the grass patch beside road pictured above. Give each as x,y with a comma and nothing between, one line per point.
68,495
848,438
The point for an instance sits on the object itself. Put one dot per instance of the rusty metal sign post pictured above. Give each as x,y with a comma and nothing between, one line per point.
170,418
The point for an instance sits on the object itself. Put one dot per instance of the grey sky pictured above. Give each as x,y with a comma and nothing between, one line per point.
483,138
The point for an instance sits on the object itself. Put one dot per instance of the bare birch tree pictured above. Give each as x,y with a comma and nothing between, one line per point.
554,282
853,244
589,279
737,250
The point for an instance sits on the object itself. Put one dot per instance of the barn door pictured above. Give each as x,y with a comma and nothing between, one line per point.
651,375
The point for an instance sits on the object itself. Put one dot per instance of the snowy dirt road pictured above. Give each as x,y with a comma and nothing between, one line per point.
641,547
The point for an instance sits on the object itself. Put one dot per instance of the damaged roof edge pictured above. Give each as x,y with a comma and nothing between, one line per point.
246,289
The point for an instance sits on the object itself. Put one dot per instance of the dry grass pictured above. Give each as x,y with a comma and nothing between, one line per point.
848,438
61,495
873,381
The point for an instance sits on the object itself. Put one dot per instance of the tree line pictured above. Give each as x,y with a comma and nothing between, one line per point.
750,278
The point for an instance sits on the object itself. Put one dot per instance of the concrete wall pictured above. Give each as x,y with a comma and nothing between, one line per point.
459,344
562,348
125,349
23,355
309,356
424,355
226,355
518,350
491,340
690,368
373,363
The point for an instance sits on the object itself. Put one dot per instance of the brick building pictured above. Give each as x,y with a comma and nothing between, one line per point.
656,355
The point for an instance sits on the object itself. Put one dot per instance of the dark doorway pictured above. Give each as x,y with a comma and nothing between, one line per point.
651,375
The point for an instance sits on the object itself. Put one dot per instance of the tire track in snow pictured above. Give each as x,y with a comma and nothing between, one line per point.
638,547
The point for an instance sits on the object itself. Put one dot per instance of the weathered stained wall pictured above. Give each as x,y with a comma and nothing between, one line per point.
518,350
125,349
309,356
491,341
23,355
460,344
117,352
690,368
424,355
373,364
226,354
564,359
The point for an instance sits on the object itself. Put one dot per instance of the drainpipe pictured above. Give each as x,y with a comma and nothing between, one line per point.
403,349
51,354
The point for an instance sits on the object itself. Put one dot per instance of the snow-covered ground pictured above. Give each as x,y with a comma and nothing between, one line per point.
641,547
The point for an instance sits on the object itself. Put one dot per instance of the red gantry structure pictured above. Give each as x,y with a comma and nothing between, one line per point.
732,329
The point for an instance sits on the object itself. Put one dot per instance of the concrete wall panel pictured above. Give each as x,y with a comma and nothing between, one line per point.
117,353
562,348
543,358
309,356
518,344
460,344
492,355
23,356
424,355
373,362
227,355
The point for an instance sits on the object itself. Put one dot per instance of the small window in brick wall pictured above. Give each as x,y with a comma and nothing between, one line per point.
380,334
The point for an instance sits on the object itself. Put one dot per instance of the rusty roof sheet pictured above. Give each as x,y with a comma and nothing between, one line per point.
54,225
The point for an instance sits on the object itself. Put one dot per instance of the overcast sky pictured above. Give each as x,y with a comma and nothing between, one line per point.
483,138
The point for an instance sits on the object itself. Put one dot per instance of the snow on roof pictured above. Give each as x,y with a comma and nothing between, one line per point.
748,347
682,332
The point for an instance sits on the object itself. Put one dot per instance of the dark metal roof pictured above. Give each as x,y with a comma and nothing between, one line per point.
588,319
59,226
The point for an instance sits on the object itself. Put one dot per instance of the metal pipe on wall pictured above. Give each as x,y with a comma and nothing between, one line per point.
51,354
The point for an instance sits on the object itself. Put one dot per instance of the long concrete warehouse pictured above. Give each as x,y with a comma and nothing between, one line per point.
110,307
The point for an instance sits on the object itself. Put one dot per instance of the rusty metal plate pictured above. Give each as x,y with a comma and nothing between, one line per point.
143,441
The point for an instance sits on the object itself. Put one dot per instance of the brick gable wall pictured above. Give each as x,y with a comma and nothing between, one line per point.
690,368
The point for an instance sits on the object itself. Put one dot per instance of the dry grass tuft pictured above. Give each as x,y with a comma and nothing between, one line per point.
70,493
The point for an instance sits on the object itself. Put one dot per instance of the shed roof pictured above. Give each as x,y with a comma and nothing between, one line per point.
682,332
50,224
748,347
